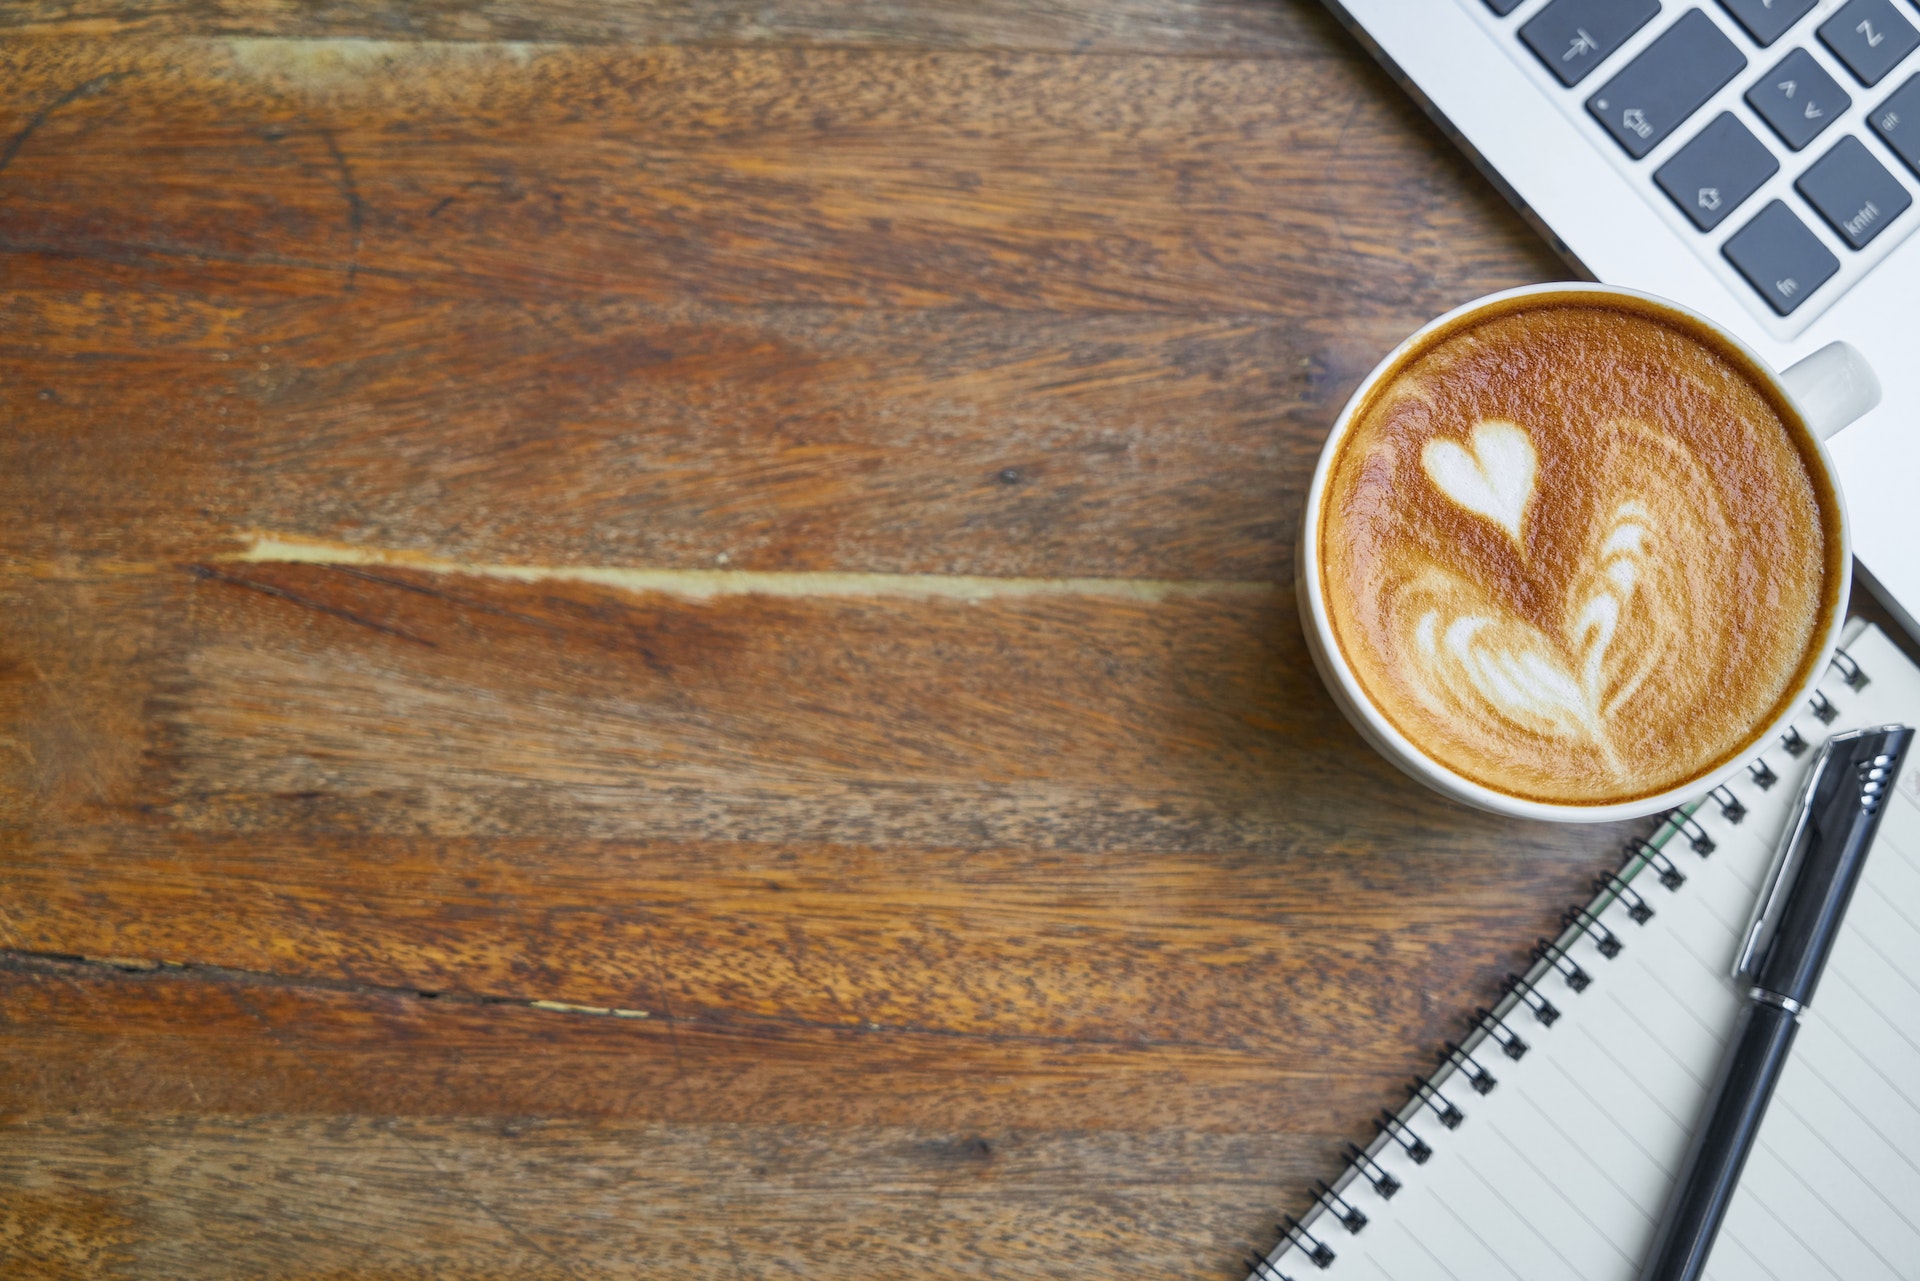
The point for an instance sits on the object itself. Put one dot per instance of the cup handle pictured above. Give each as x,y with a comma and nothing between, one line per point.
1833,386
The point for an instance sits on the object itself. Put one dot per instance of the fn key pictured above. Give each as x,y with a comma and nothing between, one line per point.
1780,258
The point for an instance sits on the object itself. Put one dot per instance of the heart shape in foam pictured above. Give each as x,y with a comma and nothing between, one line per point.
1638,597
1495,480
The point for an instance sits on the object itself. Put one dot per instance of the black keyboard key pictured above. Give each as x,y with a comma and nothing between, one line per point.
1853,192
1870,37
1780,257
1503,7
1798,98
1574,36
1658,90
1710,176
1897,121
1767,20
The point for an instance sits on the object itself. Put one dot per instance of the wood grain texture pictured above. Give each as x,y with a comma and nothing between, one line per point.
845,811
847,309
974,880
410,1198
1195,28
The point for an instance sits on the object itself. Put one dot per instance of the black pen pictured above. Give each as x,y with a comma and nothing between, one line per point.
1793,929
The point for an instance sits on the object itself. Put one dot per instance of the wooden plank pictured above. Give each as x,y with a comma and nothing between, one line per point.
157,425
796,311
1240,953
90,1038
1050,814
1190,28
840,177
217,1197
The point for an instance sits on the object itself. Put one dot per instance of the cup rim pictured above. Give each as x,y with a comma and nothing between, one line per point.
1403,751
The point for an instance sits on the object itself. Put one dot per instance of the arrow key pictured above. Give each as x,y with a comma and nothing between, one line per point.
1798,99
1710,176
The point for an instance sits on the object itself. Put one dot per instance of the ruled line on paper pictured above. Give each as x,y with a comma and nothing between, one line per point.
1787,1226
1717,1035
1547,1181
1872,1123
1832,1029
1898,1025
1628,1075
1840,1154
1793,1170
1468,1228
1756,1260
1427,1250
1524,1222
1604,1173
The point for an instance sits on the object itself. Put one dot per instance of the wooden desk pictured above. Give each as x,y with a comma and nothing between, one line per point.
655,640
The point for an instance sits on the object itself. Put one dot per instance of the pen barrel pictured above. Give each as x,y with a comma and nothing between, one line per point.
1710,1172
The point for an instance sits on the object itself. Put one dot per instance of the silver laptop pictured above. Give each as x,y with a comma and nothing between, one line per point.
1757,160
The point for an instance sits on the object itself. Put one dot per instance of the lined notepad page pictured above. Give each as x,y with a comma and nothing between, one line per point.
1563,1168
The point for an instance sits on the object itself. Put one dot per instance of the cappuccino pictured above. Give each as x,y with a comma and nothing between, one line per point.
1579,550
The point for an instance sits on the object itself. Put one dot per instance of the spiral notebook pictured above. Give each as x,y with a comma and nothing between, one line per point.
1546,1143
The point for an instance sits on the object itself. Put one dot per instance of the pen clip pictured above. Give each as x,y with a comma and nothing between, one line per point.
1778,886
1874,754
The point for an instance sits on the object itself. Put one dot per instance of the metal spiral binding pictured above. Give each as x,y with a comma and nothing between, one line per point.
1394,1128
1688,826
1262,1270
1670,875
1384,1184
1318,1252
1338,1206
1543,1009
1730,807
1450,1116
1587,923
1579,920
1637,907
1556,956
1508,1040
1477,1075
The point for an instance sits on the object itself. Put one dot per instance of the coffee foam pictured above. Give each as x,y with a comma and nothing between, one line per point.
1576,552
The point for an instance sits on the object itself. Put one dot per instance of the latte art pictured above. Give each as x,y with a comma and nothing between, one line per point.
1628,602
1575,554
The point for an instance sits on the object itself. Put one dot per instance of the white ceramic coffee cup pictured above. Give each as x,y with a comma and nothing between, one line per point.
1830,388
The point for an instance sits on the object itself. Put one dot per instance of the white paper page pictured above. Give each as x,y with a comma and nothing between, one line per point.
1563,1168
1834,1180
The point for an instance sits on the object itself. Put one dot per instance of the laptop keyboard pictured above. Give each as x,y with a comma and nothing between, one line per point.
1856,189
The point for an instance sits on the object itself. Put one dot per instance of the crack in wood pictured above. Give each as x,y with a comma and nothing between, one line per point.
706,584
